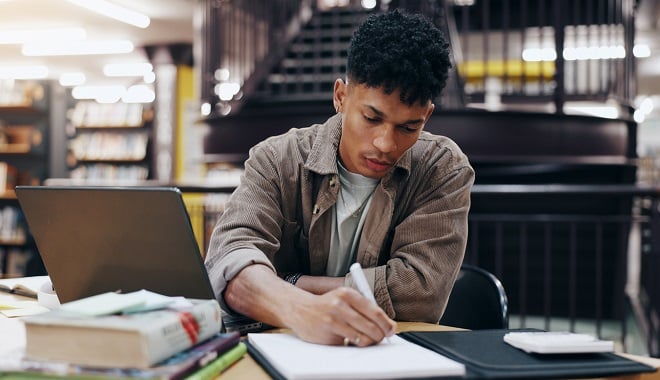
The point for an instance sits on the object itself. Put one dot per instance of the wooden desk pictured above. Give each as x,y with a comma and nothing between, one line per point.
248,368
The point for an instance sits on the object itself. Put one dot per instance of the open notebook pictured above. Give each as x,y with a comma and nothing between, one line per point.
284,356
99,239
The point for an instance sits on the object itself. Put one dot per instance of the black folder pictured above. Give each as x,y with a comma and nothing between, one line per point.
487,356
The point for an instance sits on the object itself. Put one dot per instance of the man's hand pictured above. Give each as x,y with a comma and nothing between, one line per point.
341,315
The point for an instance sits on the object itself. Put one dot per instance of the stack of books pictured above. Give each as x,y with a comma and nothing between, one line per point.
163,338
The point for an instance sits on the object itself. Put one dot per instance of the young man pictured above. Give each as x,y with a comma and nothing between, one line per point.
367,186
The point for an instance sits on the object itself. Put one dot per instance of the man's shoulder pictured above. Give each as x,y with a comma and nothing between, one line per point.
438,145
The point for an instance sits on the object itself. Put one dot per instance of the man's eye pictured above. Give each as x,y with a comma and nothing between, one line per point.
370,119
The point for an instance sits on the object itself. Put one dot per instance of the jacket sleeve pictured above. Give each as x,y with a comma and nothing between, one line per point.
249,228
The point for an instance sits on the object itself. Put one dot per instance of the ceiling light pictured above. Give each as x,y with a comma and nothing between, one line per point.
78,48
642,51
23,72
139,93
605,111
72,79
102,94
114,11
137,69
227,90
21,36
149,77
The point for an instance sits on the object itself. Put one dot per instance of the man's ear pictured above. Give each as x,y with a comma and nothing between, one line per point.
339,94
429,112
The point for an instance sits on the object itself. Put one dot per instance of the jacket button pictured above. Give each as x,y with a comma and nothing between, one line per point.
333,180
316,209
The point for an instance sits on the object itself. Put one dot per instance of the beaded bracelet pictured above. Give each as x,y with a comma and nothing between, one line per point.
292,278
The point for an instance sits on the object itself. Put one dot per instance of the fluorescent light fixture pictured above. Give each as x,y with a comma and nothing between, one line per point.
139,93
78,48
538,55
584,53
221,75
227,90
646,105
114,11
138,69
149,77
21,36
205,109
608,112
23,72
102,94
72,79
368,4
642,51
594,52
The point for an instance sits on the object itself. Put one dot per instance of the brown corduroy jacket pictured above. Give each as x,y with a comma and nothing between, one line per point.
415,233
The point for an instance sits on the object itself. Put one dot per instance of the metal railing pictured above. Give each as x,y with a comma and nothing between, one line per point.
587,262
240,41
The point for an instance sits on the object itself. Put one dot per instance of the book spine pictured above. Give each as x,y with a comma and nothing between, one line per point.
220,364
184,330
213,350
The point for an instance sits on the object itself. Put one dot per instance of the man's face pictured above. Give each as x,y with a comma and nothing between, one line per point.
377,129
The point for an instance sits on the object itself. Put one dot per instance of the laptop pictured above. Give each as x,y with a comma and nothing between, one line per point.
115,239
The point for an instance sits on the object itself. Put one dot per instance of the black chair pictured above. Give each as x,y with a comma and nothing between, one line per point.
477,301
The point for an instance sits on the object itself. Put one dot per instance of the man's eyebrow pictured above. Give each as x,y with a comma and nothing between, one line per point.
381,114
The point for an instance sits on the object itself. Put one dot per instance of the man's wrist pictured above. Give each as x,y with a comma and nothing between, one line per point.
292,278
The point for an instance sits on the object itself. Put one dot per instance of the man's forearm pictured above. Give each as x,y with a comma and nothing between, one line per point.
258,293
319,284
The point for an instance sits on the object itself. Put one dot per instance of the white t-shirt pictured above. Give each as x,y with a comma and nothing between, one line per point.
348,218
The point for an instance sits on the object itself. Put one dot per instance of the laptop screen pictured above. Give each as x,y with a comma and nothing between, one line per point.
99,239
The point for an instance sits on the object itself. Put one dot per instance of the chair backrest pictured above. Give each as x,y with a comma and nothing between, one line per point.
477,301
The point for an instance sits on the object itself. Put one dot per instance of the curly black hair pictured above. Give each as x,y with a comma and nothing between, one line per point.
400,51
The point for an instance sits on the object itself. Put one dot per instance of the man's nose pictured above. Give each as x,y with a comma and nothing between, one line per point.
385,140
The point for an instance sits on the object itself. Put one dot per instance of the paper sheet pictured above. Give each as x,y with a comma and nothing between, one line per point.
296,359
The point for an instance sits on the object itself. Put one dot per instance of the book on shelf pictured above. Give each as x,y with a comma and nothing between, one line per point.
8,176
24,286
136,340
206,355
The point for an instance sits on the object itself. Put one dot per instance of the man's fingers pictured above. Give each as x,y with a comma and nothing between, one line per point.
366,318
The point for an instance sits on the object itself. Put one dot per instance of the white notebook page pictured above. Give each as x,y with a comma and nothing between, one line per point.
296,359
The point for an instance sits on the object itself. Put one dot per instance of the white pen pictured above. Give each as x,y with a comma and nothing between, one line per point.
362,285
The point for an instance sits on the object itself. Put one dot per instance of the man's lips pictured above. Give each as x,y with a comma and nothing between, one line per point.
377,165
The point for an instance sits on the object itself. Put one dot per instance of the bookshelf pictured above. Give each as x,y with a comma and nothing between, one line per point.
109,142
24,160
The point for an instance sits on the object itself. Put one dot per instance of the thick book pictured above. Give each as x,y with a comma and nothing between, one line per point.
177,367
284,356
137,340
487,356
